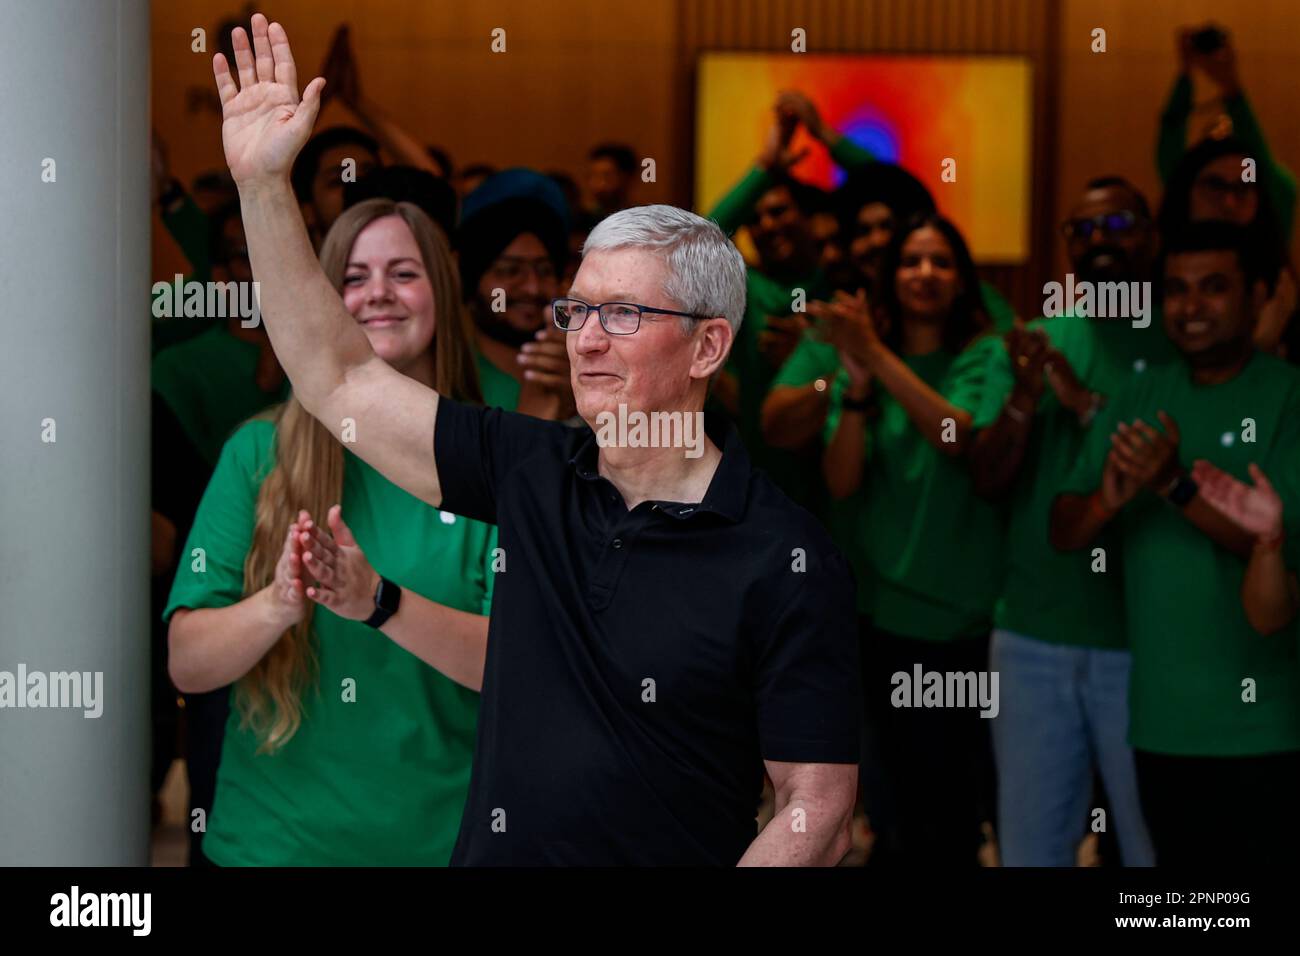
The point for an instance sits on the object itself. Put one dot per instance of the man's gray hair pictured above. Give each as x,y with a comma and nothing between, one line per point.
706,272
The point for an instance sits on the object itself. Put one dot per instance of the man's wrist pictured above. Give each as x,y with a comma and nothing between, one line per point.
1269,541
1100,508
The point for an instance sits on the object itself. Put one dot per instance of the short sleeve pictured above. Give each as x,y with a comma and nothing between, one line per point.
808,682
475,449
211,570
997,382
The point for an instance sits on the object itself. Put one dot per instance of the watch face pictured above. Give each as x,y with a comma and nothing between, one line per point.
387,596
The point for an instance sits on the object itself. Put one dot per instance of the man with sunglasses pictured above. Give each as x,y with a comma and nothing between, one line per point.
1059,642
664,627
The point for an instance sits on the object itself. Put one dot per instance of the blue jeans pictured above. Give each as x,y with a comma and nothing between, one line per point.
1063,711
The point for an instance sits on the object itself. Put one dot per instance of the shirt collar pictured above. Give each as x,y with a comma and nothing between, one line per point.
728,490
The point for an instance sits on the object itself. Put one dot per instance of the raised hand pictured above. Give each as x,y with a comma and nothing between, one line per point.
547,391
264,123
1028,350
797,104
848,324
1119,482
1149,456
777,154
1256,510
345,581
1070,391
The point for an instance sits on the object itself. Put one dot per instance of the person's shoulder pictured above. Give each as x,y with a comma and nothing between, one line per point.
251,447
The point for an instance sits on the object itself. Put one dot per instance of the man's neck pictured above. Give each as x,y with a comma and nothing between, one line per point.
659,474
1222,371
503,357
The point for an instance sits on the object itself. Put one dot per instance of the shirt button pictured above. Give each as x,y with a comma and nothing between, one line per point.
618,543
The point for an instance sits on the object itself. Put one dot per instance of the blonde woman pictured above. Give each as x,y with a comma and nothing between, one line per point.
344,746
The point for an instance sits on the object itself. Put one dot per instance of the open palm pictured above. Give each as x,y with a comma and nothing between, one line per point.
264,124
1257,510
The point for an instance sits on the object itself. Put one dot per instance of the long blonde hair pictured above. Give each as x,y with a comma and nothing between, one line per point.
308,469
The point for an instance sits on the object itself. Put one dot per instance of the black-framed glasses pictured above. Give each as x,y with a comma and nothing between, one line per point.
1111,223
617,318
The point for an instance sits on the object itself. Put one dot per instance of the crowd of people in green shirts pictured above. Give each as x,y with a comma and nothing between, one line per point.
1105,514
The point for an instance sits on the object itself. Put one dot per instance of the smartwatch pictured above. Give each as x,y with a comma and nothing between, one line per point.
387,597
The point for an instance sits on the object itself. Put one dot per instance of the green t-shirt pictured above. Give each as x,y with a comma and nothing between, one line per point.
797,474
499,389
1000,312
932,548
1192,646
1049,595
209,383
381,780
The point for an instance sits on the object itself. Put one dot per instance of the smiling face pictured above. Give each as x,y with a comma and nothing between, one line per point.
1110,255
1209,311
525,273
927,281
387,289
657,368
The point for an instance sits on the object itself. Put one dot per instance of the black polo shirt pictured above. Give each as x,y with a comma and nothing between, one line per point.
641,664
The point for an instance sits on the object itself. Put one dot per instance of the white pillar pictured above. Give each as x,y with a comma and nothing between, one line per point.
74,350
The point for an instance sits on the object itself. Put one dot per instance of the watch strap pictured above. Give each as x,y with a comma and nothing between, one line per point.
388,597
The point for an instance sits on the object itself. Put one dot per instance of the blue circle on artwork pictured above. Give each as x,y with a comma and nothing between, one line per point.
874,133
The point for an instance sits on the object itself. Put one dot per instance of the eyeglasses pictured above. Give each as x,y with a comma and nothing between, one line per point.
617,318
1111,223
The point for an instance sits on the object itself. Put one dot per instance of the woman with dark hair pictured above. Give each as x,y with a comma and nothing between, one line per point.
355,650
896,435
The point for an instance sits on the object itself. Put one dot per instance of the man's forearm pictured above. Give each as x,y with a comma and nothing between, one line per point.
1077,520
793,415
997,452
315,339
819,836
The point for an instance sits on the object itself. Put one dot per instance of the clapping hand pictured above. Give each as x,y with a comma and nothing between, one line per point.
1256,510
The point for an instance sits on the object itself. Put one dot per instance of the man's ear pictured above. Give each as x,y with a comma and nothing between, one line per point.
712,345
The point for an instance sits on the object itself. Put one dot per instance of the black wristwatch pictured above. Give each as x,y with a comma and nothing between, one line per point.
855,404
1181,490
387,597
